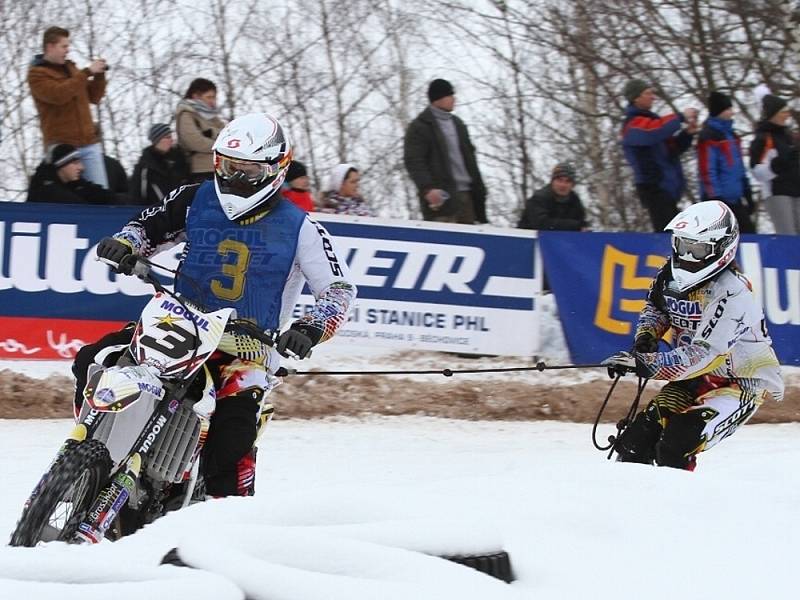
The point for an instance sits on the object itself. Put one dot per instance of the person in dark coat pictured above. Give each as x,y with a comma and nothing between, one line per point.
556,206
161,168
775,161
58,179
720,164
117,177
440,159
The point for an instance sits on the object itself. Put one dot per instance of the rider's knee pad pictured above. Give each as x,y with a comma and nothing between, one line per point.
637,443
233,429
681,440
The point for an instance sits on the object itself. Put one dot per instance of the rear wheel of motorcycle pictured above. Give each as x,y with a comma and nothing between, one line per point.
65,495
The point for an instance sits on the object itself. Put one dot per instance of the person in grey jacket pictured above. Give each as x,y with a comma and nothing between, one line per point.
440,159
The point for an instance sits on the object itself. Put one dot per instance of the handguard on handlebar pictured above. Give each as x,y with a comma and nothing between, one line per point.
250,329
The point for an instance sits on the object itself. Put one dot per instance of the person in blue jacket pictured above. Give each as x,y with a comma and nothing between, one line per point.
720,164
653,146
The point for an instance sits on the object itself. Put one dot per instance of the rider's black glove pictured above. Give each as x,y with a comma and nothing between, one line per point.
645,342
114,251
621,363
298,340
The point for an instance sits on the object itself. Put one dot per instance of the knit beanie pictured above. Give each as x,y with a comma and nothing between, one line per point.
440,88
718,102
634,88
770,106
62,154
296,169
563,169
158,131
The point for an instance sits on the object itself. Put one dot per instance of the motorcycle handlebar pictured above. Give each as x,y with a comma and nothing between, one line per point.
141,267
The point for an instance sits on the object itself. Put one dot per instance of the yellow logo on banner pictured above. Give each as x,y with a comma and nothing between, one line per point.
629,280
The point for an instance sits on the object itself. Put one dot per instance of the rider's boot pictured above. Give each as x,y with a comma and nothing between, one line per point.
638,442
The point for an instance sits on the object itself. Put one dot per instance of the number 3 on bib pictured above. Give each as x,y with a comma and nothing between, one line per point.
237,256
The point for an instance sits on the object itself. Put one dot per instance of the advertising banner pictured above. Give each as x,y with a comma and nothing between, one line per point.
600,281
438,286
421,285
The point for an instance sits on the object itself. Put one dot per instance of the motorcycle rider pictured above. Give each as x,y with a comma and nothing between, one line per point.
248,249
722,367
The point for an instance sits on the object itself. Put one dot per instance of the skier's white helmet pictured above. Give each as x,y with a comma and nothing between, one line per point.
704,241
251,156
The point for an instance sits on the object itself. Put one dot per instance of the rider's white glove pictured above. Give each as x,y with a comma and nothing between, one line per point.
621,363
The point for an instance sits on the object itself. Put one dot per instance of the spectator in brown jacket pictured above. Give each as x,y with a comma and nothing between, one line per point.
62,94
197,124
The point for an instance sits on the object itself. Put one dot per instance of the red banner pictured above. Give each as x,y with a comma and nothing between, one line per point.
30,338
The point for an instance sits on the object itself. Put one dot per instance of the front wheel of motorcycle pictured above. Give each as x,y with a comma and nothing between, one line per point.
64,495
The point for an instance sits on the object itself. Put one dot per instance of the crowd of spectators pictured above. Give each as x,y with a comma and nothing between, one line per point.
437,152
653,145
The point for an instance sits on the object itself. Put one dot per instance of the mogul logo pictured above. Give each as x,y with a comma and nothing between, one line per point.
179,310
685,314
150,388
620,271
151,437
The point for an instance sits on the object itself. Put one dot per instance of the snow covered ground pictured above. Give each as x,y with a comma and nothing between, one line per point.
351,510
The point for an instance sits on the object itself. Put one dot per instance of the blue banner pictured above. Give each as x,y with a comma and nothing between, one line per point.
600,281
421,285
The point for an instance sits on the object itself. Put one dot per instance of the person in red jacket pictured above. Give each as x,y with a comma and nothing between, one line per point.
298,186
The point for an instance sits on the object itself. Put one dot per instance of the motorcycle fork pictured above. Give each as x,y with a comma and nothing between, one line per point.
112,498
82,431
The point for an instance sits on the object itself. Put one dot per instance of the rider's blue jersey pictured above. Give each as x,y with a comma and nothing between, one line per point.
246,267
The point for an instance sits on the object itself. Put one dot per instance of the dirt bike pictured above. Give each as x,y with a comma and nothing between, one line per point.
133,454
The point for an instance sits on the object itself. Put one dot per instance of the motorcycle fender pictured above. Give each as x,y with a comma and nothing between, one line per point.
78,433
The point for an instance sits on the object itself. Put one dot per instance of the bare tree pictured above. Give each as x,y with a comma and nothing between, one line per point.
539,80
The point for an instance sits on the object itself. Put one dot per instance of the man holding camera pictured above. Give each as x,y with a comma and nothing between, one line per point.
62,94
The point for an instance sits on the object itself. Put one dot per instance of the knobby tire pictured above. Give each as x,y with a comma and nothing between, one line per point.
91,458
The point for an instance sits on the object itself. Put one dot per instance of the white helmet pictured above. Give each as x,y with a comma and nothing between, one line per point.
251,156
704,241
